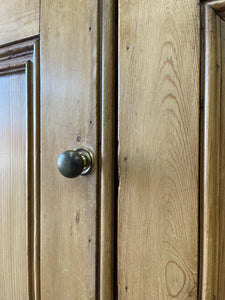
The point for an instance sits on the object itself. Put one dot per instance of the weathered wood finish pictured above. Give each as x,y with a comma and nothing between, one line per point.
159,47
19,176
69,38
107,165
19,19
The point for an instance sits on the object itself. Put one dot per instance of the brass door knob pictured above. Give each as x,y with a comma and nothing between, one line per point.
73,163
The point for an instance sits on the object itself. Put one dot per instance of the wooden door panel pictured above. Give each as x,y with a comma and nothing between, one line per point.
68,120
68,112
13,229
159,48
18,171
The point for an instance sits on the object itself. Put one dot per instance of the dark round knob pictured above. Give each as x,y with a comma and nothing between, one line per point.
71,164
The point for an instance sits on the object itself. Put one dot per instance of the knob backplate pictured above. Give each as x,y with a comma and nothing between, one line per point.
89,160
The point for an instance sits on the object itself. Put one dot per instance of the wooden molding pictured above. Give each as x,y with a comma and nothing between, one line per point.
107,150
217,6
13,59
210,151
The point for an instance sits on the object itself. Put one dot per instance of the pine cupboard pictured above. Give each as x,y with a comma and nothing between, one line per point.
112,130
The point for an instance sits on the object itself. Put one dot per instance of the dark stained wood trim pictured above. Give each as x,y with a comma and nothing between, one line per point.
107,153
13,69
36,166
13,58
218,6
30,176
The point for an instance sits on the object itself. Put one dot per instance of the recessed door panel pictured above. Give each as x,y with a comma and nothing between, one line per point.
13,187
19,171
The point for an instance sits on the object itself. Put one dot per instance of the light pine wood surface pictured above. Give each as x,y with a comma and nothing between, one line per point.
19,20
19,245
68,120
13,188
159,58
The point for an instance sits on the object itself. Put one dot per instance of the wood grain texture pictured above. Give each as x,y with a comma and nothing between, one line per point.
211,155
221,260
108,126
159,149
69,35
13,188
19,20
19,278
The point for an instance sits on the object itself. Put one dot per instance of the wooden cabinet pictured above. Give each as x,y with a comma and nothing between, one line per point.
141,84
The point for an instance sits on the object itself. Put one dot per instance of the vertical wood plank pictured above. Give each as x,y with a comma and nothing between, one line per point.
159,46
69,35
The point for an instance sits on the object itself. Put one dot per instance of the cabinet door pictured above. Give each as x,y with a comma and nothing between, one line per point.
48,104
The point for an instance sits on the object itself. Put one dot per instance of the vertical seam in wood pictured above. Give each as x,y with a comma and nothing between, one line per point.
201,128
98,150
116,139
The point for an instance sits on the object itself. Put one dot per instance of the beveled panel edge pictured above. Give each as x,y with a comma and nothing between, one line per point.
12,69
36,166
29,173
33,102
13,58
